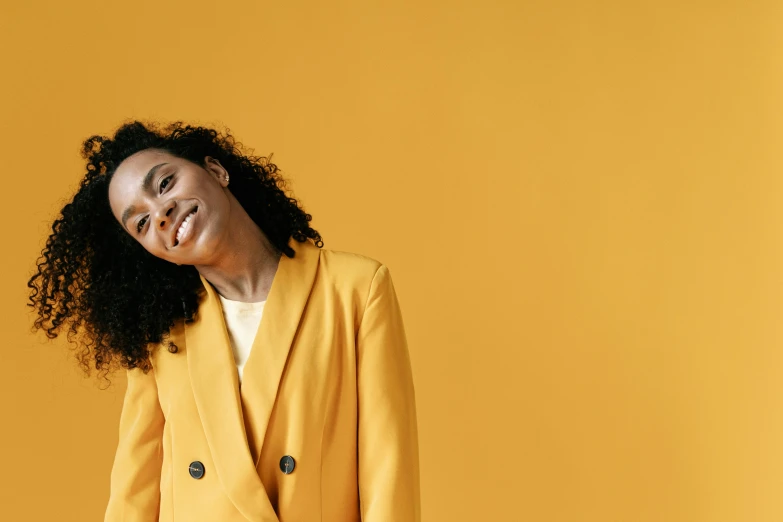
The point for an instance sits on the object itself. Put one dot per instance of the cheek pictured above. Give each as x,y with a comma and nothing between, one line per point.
155,246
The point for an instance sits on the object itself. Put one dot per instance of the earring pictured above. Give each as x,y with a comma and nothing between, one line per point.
226,178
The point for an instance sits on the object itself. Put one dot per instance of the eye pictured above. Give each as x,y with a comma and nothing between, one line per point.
141,224
167,178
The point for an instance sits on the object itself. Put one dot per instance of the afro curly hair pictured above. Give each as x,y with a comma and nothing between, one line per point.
93,276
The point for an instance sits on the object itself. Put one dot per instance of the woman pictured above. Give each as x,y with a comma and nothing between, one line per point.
268,378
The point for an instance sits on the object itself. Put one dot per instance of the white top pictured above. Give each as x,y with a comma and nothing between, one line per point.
242,322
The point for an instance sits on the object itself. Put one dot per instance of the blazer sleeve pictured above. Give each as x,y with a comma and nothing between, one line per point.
135,475
388,468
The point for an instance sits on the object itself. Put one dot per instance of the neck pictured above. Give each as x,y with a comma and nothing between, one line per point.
247,267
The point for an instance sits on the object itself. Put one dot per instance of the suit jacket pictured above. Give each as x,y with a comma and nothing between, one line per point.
323,427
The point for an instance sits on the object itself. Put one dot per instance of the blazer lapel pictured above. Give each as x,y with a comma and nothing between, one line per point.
236,437
283,310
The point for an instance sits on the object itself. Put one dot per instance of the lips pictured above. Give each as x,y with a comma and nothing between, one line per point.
175,229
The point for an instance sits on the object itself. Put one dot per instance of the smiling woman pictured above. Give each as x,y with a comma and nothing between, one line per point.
124,281
285,389
135,204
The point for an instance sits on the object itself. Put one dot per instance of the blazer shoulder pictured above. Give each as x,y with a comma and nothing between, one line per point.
358,266
351,275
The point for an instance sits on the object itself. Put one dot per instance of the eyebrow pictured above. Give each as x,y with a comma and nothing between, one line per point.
145,186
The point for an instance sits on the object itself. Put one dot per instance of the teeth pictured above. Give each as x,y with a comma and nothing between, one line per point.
184,226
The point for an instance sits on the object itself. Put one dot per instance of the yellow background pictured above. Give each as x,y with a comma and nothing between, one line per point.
580,203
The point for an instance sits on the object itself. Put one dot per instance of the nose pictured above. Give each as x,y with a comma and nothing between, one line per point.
163,214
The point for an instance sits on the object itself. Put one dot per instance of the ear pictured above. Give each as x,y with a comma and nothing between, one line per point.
214,167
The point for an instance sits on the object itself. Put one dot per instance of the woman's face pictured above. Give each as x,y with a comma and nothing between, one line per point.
151,195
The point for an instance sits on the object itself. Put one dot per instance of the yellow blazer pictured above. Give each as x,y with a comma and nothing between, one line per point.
323,427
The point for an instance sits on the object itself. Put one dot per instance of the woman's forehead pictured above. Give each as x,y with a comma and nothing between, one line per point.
140,162
129,177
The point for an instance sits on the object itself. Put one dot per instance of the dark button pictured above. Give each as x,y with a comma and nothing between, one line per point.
196,469
287,464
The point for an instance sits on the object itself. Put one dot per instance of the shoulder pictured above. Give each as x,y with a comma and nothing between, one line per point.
338,262
349,272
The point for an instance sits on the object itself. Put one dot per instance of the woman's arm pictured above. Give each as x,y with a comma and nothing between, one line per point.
135,475
388,433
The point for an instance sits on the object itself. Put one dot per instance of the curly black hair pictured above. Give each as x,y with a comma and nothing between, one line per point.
96,277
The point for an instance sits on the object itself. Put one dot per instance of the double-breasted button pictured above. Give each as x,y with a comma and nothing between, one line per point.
196,469
287,464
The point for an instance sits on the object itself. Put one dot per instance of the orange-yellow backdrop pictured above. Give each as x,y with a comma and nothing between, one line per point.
604,179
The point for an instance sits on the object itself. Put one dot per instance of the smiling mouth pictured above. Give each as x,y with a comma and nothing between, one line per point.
184,228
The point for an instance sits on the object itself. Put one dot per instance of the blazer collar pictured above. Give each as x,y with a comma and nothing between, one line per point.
234,420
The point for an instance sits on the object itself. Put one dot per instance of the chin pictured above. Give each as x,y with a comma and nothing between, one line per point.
194,256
